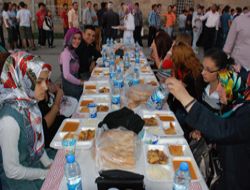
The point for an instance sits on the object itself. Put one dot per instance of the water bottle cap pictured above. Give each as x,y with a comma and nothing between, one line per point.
70,158
184,166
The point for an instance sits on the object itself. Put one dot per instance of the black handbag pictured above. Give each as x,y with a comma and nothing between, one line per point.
119,179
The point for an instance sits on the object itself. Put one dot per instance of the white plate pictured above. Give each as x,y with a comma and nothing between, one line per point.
99,85
57,140
158,172
159,130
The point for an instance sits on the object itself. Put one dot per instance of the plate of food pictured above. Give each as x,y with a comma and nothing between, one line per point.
74,128
97,87
158,163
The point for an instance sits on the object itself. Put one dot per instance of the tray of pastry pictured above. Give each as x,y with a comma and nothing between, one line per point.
176,146
100,72
97,87
102,101
149,79
158,163
146,70
150,119
82,131
169,127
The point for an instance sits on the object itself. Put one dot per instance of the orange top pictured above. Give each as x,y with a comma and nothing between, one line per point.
170,19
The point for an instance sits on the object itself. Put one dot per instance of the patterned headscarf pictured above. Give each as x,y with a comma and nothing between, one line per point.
18,78
237,89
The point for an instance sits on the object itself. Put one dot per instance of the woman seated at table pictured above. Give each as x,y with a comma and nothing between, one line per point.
23,161
71,83
50,108
186,68
230,130
160,47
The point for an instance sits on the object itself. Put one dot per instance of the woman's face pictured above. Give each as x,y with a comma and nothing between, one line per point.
222,94
210,71
76,40
41,86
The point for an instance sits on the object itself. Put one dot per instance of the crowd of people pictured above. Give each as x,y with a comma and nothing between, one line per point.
209,97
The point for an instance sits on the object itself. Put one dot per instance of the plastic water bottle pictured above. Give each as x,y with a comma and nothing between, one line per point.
182,177
112,69
157,98
116,95
136,76
72,173
126,60
108,42
119,77
104,56
111,42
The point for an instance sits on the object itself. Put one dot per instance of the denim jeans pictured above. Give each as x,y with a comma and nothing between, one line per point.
169,30
196,35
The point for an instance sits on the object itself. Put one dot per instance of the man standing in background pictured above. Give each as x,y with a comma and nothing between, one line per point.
73,16
40,16
152,22
138,24
97,28
64,17
87,18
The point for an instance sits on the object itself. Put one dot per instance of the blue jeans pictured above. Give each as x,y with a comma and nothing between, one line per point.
196,35
169,30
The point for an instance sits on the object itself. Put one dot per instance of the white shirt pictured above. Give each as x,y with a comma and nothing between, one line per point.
213,19
9,137
129,24
24,16
6,19
212,99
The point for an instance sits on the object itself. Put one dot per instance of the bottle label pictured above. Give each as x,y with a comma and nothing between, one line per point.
116,99
75,185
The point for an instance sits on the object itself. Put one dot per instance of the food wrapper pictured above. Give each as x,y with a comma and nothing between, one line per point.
139,94
115,149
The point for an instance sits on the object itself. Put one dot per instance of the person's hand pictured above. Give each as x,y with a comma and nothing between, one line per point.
92,66
81,82
196,135
59,96
177,88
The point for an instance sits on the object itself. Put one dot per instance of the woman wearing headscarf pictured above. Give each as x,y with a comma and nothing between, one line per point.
230,130
23,161
69,62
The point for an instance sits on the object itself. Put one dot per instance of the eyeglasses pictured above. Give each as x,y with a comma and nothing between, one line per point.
207,70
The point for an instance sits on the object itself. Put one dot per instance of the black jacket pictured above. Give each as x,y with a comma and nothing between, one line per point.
86,54
233,136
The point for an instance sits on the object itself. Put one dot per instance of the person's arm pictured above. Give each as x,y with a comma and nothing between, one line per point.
18,17
70,19
65,59
149,19
231,38
204,17
9,138
232,129
51,115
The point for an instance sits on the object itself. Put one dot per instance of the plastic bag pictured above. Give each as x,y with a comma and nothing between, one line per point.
138,95
115,149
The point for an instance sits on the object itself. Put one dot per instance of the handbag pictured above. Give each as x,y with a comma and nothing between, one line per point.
201,151
119,179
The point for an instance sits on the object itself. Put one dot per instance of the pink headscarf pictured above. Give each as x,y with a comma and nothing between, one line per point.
69,35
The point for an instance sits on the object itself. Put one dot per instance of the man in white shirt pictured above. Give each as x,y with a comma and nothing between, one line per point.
197,27
212,18
73,16
24,19
87,15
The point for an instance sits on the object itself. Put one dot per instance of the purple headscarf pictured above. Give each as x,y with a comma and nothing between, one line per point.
69,35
